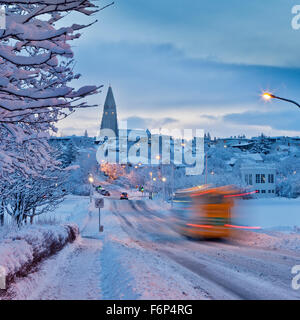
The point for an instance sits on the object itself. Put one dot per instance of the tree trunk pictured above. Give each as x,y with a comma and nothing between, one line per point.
32,216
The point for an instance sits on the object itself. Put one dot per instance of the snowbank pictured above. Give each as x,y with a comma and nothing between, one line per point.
273,240
20,251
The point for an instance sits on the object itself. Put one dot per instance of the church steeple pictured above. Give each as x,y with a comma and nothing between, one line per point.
109,117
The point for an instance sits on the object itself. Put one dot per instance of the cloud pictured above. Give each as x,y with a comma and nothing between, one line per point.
280,120
161,76
192,63
148,123
231,31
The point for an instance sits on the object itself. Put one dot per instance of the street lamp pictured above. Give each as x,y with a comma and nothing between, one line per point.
268,96
91,181
164,179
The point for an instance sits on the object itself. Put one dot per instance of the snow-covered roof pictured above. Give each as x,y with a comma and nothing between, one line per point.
258,166
232,161
252,156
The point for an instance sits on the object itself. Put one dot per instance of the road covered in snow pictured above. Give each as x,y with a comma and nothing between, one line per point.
140,256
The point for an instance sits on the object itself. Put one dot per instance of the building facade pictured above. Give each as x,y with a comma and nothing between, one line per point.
260,178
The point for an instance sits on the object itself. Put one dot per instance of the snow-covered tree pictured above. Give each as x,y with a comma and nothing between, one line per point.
68,154
36,68
86,165
37,65
33,194
288,176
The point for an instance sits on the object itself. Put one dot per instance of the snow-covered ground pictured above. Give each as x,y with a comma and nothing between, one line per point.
139,256
271,213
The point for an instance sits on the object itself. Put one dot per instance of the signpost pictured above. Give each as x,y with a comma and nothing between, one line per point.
99,203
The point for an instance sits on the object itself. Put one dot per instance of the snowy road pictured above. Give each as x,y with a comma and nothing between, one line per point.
220,269
140,256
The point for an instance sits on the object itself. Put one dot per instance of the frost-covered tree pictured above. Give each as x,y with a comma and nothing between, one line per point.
35,193
68,154
36,67
86,165
262,145
288,176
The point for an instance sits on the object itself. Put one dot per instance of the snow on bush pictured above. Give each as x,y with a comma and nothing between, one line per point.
21,250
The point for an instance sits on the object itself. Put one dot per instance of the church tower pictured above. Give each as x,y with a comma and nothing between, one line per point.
109,117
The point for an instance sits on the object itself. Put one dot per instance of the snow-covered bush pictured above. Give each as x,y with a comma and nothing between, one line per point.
20,251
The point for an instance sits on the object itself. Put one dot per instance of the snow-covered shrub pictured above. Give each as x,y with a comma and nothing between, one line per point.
22,250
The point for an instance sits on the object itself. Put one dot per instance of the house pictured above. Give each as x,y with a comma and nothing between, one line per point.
260,177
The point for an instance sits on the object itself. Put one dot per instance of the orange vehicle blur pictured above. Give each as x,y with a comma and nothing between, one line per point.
205,212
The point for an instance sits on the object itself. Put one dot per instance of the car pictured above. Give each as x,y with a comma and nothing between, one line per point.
124,196
99,189
105,193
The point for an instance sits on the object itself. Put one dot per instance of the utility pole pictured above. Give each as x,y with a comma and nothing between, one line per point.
173,183
206,168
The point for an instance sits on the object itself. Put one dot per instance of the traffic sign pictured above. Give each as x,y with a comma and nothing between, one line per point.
99,203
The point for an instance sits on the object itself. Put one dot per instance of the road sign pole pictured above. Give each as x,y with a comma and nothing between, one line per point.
99,203
99,219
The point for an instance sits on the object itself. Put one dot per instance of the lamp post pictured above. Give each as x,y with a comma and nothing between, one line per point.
91,181
164,187
268,96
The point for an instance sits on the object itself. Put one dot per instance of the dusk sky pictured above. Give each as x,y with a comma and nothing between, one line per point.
192,64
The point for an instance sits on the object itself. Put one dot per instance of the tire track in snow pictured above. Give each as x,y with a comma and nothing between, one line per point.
241,283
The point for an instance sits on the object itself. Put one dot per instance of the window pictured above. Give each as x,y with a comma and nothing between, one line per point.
263,178
250,179
247,178
269,191
271,178
273,191
257,178
257,191
263,191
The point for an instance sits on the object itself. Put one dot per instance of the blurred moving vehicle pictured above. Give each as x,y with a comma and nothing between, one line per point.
204,211
124,196
105,193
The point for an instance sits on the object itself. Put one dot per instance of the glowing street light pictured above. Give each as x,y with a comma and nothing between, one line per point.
91,179
268,96
164,179
154,179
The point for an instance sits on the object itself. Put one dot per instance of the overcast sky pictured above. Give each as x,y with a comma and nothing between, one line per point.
192,64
